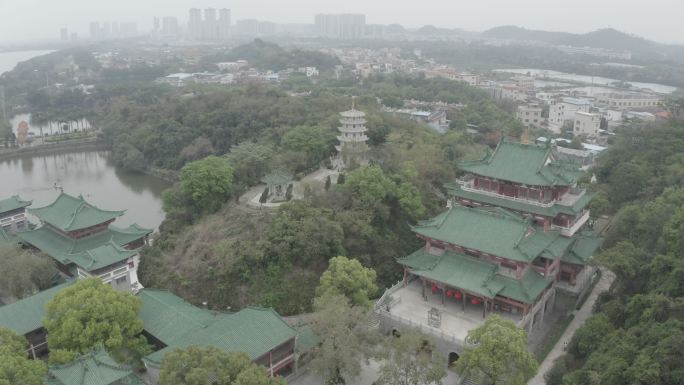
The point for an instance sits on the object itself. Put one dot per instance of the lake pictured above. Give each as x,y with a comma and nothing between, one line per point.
90,173
9,60
596,80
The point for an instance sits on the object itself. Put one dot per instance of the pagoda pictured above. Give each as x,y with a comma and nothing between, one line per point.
352,150
83,242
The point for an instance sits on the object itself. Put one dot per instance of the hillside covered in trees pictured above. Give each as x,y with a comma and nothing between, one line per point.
637,333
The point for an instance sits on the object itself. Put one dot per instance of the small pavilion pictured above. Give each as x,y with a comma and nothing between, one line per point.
278,182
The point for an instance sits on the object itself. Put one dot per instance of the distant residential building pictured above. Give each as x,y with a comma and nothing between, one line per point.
170,27
247,27
586,124
195,24
340,26
627,100
530,115
524,82
224,23
467,77
563,110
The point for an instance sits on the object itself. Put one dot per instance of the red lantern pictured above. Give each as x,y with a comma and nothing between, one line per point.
434,288
474,301
457,295
449,293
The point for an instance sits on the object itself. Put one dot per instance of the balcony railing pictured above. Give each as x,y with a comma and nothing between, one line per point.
572,229
468,186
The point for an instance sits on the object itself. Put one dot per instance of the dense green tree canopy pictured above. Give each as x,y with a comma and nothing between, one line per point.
89,313
15,366
498,349
199,366
343,343
208,182
25,272
349,278
412,359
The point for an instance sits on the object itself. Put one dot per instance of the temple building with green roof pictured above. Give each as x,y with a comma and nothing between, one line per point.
82,240
513,232
530,179
93,368
170,322
13,215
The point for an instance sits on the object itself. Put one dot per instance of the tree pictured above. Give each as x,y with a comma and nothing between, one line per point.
314,141
24,272
196,366
340,179
89,313
250,161
15,367
349,278
288,192
343,343
411,359
498,349
264,196
207,182
302,234
327,183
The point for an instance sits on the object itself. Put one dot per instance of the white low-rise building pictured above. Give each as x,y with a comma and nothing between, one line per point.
563,110
586,124
530,115
627,100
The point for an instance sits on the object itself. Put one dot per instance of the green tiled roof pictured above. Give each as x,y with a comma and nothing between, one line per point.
457,270
583,248
69,213
26,314
12,203
306,339
95,368
67,250
278,177
525,290
491,230
524,163
475,275
177,323
456,190
101,256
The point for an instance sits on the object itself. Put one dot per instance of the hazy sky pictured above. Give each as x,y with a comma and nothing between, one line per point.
661,20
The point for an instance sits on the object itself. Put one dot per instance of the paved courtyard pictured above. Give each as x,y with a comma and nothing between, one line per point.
454,321
369,373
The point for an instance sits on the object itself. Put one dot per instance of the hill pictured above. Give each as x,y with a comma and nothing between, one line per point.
607,38
266,55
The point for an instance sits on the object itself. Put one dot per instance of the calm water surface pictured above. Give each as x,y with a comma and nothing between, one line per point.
90,173
8,60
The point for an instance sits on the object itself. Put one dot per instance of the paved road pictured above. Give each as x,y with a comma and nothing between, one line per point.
581,316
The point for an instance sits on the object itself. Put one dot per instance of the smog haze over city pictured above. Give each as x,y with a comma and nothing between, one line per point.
358,192
29,20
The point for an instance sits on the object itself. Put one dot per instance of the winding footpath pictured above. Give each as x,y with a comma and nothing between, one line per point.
607,278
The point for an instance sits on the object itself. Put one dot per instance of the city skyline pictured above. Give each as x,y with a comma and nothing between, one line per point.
578,17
